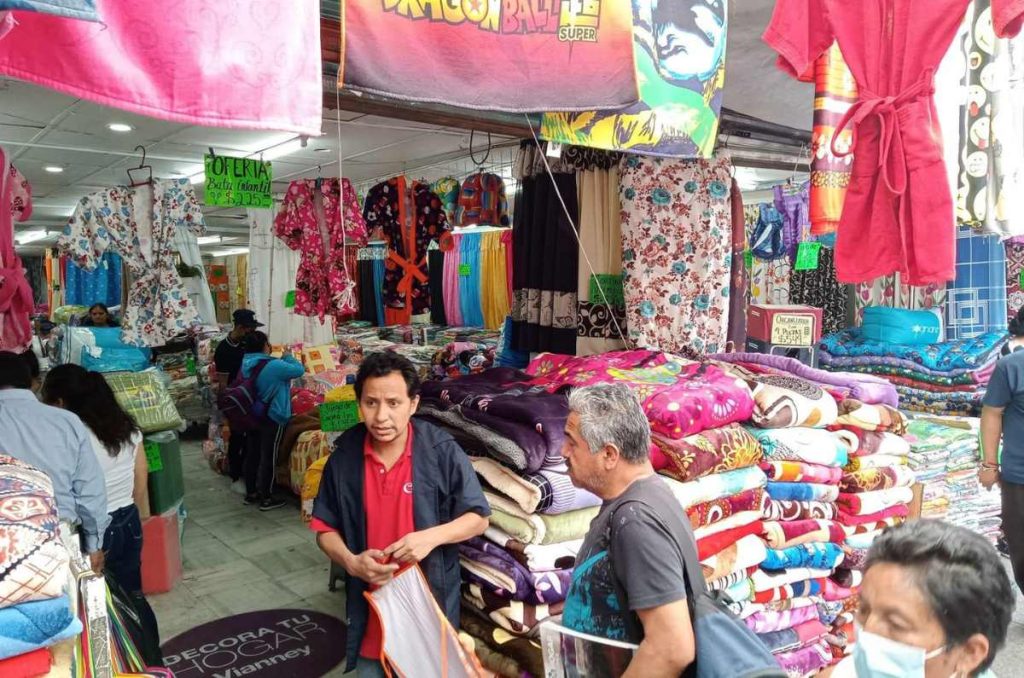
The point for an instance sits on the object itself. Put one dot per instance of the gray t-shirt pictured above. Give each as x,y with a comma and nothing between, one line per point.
646,560
1006,389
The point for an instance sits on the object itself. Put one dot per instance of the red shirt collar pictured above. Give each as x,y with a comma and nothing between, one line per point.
368,445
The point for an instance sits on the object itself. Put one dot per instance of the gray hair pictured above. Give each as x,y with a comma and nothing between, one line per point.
611,414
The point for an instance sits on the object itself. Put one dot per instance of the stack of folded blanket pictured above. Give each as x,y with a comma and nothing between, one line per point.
804,544
948,378
35,612
945,456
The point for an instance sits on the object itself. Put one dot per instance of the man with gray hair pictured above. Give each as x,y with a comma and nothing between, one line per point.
628,583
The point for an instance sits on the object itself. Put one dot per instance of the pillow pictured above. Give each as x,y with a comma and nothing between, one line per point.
900,326
319,359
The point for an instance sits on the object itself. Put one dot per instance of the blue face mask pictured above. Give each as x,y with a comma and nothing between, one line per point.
879,657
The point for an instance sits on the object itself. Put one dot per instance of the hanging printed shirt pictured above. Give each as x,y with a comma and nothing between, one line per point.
447,189
318,218
119,219
482,202
410,218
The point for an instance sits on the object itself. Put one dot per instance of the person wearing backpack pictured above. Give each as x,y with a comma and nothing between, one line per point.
637,578
272,377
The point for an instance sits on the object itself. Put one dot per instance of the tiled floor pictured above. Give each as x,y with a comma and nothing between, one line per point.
238,559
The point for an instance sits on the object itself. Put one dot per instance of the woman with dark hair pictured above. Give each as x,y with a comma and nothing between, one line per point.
1016,330
273,386
935,602
100,316
117,442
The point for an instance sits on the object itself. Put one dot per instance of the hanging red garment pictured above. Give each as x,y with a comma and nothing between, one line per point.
16,302
898,215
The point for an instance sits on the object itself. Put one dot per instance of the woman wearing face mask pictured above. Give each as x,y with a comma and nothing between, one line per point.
935,602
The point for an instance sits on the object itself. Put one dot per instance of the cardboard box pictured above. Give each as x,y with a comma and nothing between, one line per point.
784,325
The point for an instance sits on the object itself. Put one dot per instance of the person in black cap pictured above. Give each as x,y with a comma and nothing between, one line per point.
228,361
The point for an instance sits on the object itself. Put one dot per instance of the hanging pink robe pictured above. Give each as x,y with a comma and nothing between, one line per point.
318,221
898,215
16,300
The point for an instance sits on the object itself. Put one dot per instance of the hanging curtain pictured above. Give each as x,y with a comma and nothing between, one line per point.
738,278
102,285
435,271
197,287
991,193
494,273
819,288
545,250
469,280
450,280
677,252
1014,269
601,243
272,270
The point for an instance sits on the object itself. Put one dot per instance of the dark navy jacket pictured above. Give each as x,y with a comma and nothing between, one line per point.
444,487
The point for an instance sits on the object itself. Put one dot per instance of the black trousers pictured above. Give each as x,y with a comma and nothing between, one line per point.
261,458
1013,527
236,455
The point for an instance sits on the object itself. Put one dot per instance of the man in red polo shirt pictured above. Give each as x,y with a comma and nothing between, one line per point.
395,491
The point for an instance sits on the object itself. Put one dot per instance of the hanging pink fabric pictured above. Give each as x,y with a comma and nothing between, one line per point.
247,64
16,301
450,277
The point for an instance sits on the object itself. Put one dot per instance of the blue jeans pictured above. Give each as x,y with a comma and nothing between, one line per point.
369,668
122,543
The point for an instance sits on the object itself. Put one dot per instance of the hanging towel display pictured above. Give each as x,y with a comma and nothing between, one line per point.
545,250
138,223
450,276
318,218
406,284
15,293
574,56
482,202
676,252
898,214
215,64
834,92
680,89
102,285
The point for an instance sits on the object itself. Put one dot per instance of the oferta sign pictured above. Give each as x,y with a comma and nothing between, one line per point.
237,182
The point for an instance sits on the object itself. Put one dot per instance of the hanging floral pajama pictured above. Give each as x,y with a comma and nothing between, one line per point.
318,221
139,224
16,302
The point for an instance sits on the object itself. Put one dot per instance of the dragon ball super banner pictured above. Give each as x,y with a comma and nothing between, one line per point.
505,55
680,66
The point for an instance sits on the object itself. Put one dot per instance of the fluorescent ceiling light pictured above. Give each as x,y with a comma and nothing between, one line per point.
120,127
197,174
30,236
54,169
321,150
229,252
208,239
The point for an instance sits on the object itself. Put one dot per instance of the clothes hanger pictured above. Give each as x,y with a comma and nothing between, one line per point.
142,166
472,155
